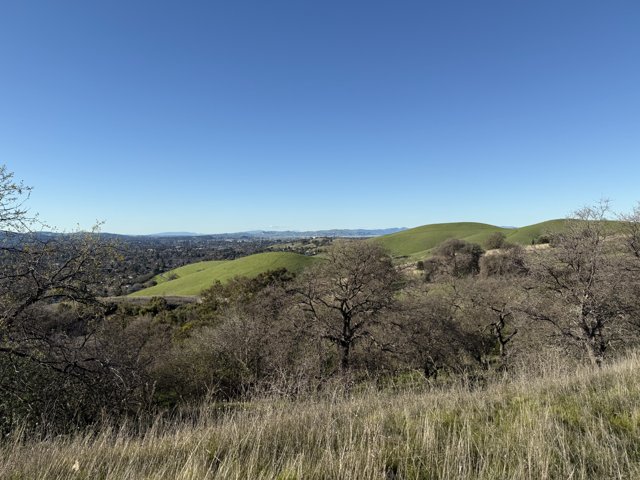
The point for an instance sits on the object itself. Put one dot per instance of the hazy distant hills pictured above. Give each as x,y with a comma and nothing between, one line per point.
287,234
251,235
174,234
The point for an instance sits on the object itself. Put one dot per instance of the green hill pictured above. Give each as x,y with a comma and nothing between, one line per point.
193,278
417,241
187,270
527,235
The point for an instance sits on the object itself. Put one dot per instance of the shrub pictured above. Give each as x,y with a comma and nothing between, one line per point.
495,240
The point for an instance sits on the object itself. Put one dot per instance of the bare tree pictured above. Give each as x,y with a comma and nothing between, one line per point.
578,283
52,335
631,242
631,229
431,338
492,305
453,258
14,216
347,293
508,262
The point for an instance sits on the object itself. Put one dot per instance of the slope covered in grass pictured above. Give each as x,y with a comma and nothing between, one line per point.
187,270
527,235
420,239
583,424
195,277
415,243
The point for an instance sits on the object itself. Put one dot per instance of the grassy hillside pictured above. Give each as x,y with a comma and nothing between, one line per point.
419,240
581,425
194,278
526,235
414,243
187,270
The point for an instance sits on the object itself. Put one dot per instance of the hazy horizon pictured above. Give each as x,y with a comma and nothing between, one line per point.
277,229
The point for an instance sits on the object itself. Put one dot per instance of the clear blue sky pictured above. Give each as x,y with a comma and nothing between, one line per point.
217,116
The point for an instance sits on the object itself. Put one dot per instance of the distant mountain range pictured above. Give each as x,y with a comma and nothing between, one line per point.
276,234
254,234
175,234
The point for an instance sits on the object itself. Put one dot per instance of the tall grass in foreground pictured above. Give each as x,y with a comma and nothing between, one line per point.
580,425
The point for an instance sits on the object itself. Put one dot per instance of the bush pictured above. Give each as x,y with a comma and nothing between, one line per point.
458,258
495,240
510,261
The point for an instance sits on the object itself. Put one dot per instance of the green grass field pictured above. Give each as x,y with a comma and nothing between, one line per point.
195,277
418,241
525,235
188,270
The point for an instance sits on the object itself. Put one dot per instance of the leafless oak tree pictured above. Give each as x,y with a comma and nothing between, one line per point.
347,293
578,286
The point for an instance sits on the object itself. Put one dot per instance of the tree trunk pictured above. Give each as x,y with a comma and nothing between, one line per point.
345,350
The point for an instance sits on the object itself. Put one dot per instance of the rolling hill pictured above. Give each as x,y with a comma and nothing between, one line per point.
526,235
193,278
419,240
411,244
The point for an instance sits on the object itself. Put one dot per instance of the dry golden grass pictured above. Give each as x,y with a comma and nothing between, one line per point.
578,425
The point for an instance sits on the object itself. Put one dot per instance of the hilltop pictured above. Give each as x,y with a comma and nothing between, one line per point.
417,242
420,240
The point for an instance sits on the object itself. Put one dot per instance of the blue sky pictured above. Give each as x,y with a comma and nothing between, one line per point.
219,116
